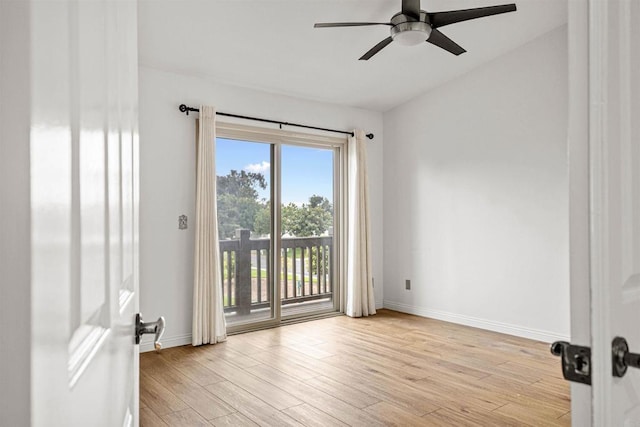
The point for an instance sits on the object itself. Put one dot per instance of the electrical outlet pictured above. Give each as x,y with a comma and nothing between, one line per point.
407,284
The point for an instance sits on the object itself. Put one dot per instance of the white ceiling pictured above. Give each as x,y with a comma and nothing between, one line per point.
272,46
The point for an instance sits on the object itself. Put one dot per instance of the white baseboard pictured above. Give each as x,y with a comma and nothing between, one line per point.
167,342
505,328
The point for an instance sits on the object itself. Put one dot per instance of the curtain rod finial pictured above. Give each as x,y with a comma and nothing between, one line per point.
183,108
370,135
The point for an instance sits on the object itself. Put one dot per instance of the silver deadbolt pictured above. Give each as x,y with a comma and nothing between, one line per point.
622,358
156,327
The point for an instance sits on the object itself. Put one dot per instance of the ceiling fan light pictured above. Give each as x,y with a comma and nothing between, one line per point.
411,33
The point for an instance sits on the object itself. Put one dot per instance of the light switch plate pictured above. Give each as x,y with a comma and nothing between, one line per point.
182,222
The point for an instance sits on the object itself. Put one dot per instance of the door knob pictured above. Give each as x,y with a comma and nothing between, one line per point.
156,327
622,358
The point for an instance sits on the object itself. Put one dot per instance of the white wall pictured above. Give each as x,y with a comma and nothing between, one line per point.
15,220
167,187
476,196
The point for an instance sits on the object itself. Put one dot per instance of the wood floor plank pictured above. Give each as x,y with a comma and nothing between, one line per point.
225,351
198,373
559,388
367,380
272,395
309,350
447,418
460,395
352,396
148,418
391,415
536,416
285,365
242,346
232,420
347,358
251,406
520,393
566,418
194,395
452,368
194,370
157,397
185,418
337,408
387,369
312,417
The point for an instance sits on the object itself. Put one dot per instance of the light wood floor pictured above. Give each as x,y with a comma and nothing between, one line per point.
388,369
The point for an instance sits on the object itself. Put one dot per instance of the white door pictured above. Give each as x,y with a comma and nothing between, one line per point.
611,113
84,210
615,202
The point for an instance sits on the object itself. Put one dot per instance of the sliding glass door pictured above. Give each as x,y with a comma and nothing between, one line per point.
307,228
243,170
276,195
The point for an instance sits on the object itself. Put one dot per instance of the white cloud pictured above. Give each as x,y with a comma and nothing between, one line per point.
258,167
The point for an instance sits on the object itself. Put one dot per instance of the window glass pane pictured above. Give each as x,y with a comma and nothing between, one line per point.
244,227
307,229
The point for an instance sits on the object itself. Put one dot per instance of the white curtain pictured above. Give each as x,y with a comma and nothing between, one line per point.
360,299
209,326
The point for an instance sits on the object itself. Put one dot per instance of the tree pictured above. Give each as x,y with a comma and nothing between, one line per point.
241,184
291,218
310,219
262,220
238,201
322,202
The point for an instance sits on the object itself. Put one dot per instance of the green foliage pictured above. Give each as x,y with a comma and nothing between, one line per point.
238,202
241,184
310,219
319,258
262,220
321,202
239,207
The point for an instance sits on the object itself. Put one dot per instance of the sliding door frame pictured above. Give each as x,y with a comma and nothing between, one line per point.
276,138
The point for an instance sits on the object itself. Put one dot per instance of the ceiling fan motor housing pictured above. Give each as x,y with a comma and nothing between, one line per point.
407,31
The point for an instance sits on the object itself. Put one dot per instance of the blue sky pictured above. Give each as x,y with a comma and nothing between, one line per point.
305,171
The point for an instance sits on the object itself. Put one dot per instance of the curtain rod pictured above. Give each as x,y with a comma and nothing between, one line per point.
185,109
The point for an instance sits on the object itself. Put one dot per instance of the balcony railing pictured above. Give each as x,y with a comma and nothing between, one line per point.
247,271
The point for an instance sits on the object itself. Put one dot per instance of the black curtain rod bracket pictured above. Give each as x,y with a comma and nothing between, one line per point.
186,109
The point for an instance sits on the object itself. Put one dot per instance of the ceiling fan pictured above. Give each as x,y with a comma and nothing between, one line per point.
412,26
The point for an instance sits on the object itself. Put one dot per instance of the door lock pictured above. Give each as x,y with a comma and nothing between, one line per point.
156,327
622,358
576,361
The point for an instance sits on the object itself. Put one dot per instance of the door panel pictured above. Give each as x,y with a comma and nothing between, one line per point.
244,200
84,170
615,195
307,212
624,202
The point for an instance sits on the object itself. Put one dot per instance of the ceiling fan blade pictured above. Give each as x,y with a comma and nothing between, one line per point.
347,24
411,8
438,39
377,48
440,19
